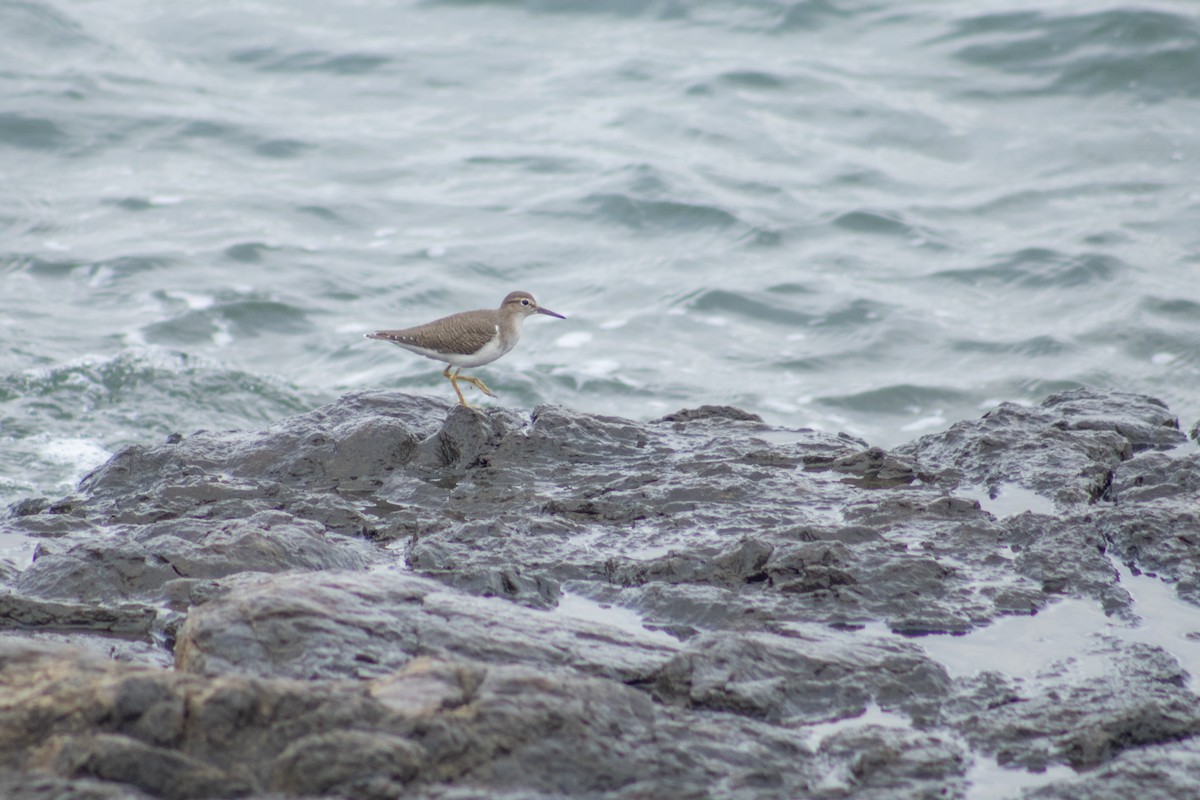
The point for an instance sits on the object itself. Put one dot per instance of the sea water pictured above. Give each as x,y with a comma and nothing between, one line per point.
863,215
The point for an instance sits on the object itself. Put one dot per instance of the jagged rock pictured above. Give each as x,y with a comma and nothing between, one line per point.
1141,699
359,602
340,625
802,674
493,728
1066,449
878,762
140,562
1165,772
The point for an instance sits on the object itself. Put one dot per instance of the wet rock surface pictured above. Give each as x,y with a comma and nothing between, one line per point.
390,596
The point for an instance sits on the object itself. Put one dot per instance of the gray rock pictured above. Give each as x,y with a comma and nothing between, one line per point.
1140,699
136,562
360,602
1164,772
1156,475
30,613
806,675
341,625
35,786
501,729
1066,555
878,762
8,571
1065,449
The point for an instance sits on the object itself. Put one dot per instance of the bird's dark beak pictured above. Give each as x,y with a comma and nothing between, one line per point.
548,312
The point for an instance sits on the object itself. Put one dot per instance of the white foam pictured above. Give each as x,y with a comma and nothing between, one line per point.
598,367
573,339
17,548
993,403
193,300
782,436
873,715
716,322
935,420
1165,620
101,276
1075,635
82,454
841,778
1062,635
398,563
782,406
990,781
1007,499
577,606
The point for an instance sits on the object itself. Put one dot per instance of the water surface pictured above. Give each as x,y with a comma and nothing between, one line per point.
877,217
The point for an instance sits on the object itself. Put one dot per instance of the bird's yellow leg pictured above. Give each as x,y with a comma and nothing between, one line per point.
478,384
454,382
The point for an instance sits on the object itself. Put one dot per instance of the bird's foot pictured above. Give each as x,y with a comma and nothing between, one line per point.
478,384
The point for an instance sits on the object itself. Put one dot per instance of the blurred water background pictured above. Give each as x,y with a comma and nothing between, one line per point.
877,216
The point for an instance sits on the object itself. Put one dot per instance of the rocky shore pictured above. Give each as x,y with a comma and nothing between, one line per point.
394,597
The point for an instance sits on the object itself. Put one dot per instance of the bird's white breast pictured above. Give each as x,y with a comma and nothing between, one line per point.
489,353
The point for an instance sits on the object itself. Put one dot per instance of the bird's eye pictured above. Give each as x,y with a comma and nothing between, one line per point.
524,302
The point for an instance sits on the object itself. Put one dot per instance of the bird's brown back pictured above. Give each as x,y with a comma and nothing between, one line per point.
464,333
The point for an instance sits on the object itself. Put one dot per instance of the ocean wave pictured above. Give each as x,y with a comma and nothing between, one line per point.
224,319
1041,268
145,384
750,306
105,269
58,420
772,16
27,132
642,214
1032,347
903,398
33,25
267,59
1154,54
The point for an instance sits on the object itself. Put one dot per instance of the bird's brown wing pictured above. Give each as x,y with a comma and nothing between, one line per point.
463,333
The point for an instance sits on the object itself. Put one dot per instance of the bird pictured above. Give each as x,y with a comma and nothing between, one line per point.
469,338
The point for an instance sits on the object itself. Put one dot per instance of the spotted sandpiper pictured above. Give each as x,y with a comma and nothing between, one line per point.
469,339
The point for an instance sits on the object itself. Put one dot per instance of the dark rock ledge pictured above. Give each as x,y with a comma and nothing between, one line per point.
360,602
